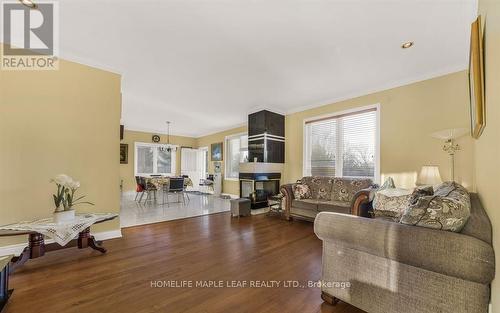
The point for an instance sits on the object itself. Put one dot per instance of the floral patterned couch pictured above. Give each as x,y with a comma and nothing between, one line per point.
325,194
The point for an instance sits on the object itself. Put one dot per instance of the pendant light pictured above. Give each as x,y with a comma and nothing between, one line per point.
168,147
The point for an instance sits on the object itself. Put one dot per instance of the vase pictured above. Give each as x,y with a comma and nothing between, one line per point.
64,216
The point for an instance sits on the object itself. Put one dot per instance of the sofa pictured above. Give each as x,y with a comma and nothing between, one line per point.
328,194
383,266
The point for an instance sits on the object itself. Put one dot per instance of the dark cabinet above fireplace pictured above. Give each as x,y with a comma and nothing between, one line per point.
266,137
266,122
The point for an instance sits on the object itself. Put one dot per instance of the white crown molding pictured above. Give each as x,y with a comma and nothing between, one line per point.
73,57
384,87
18,248
221,130
156,131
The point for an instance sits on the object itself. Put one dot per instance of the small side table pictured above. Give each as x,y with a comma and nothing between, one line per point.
275,204
4,280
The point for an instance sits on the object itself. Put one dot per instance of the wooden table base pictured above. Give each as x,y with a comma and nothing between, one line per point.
36,247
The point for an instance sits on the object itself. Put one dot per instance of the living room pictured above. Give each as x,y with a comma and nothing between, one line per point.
327,156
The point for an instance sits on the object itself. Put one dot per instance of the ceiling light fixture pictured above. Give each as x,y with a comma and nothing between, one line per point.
407,45
168,147
29,3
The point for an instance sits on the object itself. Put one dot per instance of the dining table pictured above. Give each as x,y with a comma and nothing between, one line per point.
160,181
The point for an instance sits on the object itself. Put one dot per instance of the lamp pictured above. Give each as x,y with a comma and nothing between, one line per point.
450,147
429,176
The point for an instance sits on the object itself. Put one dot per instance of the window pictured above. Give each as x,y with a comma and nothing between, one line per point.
153,159
343,145
236,152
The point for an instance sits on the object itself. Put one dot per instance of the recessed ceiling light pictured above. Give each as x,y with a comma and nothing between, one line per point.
29,3
407,45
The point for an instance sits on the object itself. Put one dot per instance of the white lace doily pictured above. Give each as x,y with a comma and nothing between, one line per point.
62,233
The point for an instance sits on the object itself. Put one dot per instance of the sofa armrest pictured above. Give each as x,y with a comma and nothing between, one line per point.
360,199
444,252
287,192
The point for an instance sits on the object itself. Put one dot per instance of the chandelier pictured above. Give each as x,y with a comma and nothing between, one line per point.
168,147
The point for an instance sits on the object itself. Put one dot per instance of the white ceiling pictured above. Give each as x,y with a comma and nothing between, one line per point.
205,64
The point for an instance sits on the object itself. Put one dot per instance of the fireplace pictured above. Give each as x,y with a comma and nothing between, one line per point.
258,187
260,178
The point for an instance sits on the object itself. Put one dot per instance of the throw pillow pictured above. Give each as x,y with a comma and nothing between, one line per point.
448,209
388,183
420,192
301,191
391,203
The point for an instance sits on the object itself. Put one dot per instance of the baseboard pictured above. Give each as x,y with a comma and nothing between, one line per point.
18,248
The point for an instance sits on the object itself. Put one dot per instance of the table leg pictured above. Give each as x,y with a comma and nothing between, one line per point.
86,240
35,249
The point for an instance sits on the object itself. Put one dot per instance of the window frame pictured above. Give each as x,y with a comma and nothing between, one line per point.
338,165
226,154
173,157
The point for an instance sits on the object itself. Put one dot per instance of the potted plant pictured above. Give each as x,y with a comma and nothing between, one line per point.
64,199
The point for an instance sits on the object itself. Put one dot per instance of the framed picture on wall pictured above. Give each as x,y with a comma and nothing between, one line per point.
216,149
476,80
123,153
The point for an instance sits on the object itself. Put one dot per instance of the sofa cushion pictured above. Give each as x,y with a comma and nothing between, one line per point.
344,189
308,214
301,191
447,209
321,186
305,204
334,206
390,203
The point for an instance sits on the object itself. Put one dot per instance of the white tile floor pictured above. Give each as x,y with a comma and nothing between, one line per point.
132,213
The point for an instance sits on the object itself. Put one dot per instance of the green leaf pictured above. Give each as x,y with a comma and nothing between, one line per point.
85,202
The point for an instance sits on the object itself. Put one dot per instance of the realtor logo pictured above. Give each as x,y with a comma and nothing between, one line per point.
29,36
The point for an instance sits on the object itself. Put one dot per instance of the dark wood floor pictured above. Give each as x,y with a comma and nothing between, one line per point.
213,247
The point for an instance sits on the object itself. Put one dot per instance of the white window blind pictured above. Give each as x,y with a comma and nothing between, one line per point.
153,159
236,152
342,145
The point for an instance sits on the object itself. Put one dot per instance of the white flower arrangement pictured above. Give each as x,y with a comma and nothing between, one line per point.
64,199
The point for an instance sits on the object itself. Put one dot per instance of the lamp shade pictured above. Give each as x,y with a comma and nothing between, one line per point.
452,133
429,175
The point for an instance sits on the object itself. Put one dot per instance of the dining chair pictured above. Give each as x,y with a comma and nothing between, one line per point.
175,186
139,188
185,193
149,188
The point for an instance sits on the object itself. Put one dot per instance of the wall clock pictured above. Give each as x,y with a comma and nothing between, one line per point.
156,138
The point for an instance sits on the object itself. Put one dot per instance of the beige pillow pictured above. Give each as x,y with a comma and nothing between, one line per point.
391,203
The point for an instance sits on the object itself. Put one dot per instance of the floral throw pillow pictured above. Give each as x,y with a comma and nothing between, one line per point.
391,203
447,209
301,191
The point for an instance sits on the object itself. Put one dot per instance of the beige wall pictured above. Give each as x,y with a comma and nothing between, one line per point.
228,186
487,148
54,122
408,115
131,137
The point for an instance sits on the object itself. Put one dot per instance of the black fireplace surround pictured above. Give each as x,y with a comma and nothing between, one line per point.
258,187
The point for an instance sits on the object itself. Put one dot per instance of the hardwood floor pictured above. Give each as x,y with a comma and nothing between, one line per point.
207,248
